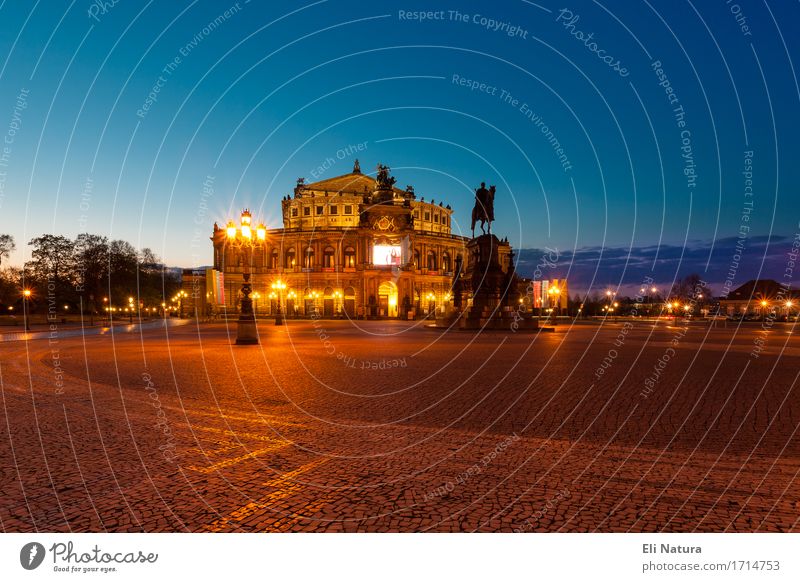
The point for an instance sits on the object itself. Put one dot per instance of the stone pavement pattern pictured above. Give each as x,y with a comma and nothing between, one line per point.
325,427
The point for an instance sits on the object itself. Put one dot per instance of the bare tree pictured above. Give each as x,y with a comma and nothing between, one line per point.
7,246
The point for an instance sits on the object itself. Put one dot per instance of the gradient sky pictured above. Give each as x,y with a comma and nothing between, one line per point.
273,89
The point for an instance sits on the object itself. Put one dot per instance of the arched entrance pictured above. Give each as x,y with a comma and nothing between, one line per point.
387,299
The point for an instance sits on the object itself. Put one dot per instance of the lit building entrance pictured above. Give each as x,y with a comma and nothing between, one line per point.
387,299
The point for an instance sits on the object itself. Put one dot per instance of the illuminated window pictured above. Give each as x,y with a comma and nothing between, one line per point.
289,259
328,258
431,261
273,263
308,261
349,258
446,263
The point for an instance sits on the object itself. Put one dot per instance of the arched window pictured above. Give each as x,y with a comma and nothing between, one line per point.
290,259
329,258
431,261
446,266
349,258
308,260
273,261
417,263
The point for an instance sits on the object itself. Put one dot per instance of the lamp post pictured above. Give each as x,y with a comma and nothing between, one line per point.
764,305
279,286
26,295
555,294
130,309
181,295
246,333
336,302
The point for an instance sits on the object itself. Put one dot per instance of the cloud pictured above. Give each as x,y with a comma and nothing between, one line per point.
597,268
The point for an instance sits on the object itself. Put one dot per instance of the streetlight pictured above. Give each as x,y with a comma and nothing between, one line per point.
180,297
26,295
279,286
555,293
130,309
337,297
246,333
764,305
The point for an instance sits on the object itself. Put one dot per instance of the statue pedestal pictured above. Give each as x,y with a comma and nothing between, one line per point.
494,294
246,333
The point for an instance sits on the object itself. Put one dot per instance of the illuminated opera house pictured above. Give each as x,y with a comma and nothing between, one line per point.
350,245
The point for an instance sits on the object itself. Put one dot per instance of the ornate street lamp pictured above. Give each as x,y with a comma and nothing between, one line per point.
279,286
26,295
246,334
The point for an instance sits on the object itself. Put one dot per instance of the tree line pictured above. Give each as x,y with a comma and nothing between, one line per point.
90,272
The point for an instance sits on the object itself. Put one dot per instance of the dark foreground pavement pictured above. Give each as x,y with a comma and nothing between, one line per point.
325,427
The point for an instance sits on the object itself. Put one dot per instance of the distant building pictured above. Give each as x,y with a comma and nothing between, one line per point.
760,296
350,245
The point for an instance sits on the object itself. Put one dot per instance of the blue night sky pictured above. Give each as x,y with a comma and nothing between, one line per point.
249,96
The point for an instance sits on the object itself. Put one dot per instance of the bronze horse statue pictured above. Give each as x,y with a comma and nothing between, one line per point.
483,210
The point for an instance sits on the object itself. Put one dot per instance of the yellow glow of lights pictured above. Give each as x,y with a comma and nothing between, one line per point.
392,302
687,307
231,229
279,285
789,304
764,304
27,292
245,218
261,232
616,304
246,233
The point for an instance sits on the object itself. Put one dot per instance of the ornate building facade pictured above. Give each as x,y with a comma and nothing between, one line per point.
352,245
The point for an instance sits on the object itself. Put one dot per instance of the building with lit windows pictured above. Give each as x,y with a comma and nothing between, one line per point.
352,245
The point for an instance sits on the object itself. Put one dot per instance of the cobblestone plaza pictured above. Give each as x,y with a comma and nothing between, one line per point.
388,426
